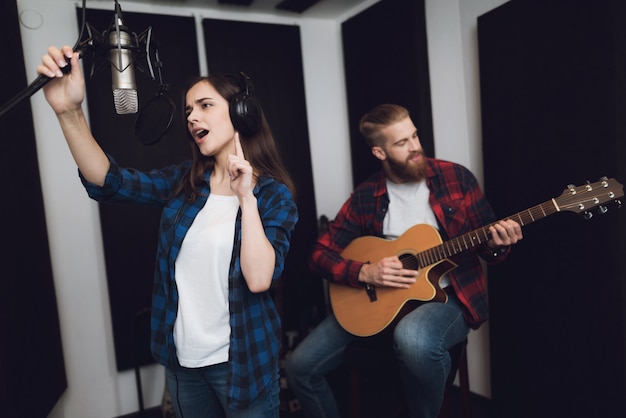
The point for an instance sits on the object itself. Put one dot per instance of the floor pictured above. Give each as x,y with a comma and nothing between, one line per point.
147,413
386,405
374,406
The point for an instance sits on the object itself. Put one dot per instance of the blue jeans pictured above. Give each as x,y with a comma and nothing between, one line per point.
201,393
422,339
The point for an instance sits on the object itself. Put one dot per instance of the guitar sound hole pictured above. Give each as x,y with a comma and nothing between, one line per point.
409,261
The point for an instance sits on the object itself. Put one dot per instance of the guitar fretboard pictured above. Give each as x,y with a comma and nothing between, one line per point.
481,235
573,199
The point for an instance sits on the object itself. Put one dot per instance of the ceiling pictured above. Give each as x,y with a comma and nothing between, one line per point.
297,8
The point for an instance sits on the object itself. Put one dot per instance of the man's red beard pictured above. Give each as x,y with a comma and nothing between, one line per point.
409,170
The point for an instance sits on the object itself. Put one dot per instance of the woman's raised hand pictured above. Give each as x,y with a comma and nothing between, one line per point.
66,91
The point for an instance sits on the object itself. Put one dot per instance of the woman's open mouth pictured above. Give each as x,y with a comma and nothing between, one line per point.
201,133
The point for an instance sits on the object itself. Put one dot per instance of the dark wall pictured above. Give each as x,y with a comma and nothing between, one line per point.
32,369
386,61
552,85
270,54
130,232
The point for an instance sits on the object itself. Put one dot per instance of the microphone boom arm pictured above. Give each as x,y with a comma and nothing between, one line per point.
38,83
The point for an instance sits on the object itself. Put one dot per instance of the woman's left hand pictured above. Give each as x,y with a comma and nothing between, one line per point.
239,170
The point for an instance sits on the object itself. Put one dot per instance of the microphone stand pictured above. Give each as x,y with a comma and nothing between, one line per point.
41,81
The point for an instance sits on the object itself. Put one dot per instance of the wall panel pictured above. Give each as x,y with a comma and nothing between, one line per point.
130,232
552,90
386,61
270,54
32,368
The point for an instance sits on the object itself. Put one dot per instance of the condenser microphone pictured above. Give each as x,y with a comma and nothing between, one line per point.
122,66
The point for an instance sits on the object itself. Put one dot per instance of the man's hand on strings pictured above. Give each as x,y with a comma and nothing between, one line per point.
388,272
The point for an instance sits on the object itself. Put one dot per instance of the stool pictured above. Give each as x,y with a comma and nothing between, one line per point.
374,356
458,354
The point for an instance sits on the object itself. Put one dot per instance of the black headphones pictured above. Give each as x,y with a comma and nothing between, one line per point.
245,109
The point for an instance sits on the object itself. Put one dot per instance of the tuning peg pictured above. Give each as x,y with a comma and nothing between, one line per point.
572,188
588,215
602,209
618,202
604,181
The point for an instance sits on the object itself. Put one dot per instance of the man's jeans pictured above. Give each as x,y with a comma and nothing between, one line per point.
422,339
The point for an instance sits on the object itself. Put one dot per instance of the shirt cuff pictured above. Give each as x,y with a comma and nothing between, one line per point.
498,252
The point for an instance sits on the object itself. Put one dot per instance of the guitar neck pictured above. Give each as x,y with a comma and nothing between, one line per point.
577,199
481,235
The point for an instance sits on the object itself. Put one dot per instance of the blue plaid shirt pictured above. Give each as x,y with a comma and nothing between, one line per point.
254,320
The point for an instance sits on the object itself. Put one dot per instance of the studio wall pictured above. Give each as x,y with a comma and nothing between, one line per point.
552,87
130,232
271,55
386,61
32,368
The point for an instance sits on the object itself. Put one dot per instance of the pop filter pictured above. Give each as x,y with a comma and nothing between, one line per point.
154,119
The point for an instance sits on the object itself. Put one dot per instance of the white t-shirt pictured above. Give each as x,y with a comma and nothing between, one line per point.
202,327
408,206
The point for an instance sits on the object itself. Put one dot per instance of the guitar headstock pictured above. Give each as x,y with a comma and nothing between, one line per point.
581,199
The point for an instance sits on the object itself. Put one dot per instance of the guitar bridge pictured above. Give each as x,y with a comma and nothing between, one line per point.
371,292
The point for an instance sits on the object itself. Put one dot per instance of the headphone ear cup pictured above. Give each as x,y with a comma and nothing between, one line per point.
245,113
245,110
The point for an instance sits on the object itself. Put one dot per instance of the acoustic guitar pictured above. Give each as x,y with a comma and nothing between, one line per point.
368,311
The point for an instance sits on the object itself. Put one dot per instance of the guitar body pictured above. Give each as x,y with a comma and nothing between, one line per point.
363,314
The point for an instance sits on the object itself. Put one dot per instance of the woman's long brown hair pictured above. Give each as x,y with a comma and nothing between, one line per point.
259,149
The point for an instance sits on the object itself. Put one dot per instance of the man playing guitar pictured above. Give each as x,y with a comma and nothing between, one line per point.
411,189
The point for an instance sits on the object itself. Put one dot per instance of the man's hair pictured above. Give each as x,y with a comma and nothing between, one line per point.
379,118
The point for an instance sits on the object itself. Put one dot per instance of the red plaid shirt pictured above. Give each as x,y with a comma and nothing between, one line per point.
458,204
